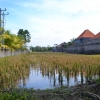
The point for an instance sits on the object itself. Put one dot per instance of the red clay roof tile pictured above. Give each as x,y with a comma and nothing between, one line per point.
86,34
96,36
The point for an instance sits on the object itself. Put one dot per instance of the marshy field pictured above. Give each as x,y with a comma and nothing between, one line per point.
50,76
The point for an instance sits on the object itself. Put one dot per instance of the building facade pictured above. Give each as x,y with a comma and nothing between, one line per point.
86,43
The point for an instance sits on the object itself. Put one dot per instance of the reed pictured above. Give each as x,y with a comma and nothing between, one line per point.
15,68
72,64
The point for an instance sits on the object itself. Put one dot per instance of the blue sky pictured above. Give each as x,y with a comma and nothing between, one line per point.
52,21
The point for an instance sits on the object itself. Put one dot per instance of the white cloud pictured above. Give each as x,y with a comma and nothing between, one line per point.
55,21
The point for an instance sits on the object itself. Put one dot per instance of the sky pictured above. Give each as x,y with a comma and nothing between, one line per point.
52,21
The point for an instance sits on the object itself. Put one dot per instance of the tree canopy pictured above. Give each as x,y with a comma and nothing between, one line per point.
41,49
25,35
11,41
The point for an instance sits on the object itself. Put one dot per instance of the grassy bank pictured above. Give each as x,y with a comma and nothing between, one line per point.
79,92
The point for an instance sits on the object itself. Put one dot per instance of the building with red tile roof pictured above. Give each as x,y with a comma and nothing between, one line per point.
85,43
86,35
96,36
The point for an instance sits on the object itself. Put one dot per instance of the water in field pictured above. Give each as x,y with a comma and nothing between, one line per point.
43,78
47,70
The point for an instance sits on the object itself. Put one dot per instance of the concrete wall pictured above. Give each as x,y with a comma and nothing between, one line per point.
80,40
88,47
4,53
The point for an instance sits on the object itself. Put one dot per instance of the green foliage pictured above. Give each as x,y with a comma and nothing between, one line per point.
98,80
1,31
13,41
10,41
41,49
18,94
87,98
24,35
70,43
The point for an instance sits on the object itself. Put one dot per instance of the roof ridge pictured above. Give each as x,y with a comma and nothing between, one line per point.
86,34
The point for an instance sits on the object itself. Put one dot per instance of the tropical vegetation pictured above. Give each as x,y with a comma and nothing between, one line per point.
41,49
12,41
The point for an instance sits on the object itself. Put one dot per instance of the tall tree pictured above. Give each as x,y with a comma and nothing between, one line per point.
25,35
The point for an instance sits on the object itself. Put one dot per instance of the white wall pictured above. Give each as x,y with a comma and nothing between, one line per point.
4,53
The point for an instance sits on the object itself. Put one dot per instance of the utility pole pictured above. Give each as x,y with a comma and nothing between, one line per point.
0,15
3,15
2,18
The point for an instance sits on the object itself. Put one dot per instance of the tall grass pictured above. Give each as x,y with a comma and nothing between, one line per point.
70,65
16,68
13,69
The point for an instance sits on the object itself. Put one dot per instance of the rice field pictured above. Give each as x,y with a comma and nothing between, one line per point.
17,68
